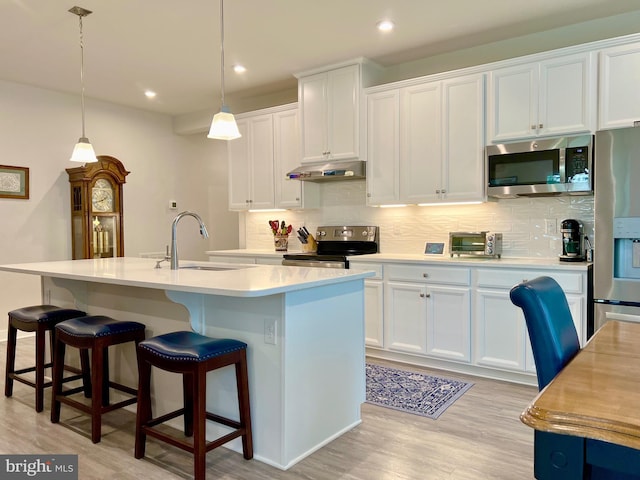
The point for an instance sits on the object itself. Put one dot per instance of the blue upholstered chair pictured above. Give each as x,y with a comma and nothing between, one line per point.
554,342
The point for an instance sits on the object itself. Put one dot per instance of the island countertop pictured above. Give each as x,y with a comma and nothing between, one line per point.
236,281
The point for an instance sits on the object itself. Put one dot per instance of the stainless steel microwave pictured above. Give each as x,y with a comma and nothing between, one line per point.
552,166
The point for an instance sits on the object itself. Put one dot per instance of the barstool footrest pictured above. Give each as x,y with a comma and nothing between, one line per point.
187,445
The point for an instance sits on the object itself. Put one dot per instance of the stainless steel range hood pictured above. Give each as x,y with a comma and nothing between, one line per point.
328,172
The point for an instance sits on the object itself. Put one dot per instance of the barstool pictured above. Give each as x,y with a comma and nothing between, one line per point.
193,356
39,319
96,333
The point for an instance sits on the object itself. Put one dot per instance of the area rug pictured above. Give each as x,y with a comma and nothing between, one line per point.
412,392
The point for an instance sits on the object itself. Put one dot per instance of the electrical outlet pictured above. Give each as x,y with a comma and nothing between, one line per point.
550,226
173,205
270,331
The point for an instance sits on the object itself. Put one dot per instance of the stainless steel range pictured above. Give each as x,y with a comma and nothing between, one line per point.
335,245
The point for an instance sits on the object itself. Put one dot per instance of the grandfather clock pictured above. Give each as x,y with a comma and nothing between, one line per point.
96,208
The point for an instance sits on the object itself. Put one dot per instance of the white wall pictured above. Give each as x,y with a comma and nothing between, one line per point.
38,129
406,229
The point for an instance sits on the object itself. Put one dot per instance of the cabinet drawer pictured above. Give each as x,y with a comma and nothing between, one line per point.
365,267
501,278
428,274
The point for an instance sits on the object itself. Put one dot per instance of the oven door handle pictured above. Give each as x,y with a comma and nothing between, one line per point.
313,263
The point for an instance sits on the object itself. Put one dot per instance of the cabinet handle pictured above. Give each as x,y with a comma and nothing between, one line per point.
425,275
444,191
533,127
297,199
540,126
437,191
425,295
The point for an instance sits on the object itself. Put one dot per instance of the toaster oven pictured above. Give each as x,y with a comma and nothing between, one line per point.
484,244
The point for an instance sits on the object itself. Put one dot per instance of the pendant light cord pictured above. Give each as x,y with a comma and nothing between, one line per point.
222,50
82,75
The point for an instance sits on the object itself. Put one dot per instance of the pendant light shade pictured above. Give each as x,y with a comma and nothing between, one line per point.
223,126
83,151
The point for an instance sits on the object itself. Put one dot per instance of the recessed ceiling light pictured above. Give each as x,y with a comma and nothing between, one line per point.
385,25
150,93
239,69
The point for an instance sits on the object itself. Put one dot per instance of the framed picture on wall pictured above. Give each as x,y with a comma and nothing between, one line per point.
14,182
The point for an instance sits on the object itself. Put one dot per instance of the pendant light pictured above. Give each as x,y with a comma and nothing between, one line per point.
223,126
83,151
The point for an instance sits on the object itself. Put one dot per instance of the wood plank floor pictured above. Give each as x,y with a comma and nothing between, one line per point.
479,437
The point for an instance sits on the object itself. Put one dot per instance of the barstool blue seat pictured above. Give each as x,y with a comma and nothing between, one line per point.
192,355
97,333
39,319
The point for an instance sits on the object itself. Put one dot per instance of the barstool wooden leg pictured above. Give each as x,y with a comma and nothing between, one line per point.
56,387
144,406
86,372
187,398
12,334
199,422
39,373
97,369
244,406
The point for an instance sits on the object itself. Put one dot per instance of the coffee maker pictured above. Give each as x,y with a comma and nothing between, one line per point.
572,250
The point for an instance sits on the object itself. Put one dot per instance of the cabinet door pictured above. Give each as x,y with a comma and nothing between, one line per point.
312,100
567,95
288,193
261,158
383,130
619,93
513,103
406,312
463,139
343,100
449,323
500,334
373,313
421,143
239,169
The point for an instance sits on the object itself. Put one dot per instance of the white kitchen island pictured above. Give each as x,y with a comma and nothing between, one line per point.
304,328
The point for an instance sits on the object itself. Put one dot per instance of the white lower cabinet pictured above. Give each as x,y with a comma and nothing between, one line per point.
501,339
373,304
424,315
462,318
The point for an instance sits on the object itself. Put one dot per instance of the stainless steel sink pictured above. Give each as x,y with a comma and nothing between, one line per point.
211,268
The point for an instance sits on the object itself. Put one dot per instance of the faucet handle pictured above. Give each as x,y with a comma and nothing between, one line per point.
166,258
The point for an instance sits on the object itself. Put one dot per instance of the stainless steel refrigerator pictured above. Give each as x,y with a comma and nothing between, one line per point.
616,287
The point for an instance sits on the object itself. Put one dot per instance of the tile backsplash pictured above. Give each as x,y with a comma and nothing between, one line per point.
406,229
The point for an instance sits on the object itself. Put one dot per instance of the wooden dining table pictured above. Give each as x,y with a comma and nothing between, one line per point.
596,396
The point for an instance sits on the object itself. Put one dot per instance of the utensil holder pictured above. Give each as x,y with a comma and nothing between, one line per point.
281,242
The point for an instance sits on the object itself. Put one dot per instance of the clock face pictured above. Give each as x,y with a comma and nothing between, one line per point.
102,196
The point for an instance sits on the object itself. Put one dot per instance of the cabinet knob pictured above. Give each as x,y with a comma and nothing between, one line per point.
540,126
525,280
437,191
443,191
425,275
297,199
369,195
425,295
533,127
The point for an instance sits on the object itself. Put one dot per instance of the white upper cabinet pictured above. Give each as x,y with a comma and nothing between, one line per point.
290,193
251,174
383,133
259,160
329,108
551,97
425,143
619,91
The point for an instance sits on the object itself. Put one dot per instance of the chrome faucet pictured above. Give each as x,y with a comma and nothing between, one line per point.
174,240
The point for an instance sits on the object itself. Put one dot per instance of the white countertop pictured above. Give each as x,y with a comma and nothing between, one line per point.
471,261
428,259
237,280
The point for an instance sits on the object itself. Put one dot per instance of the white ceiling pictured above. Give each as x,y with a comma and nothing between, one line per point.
173,46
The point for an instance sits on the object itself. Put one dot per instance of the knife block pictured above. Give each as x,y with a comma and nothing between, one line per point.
311,246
